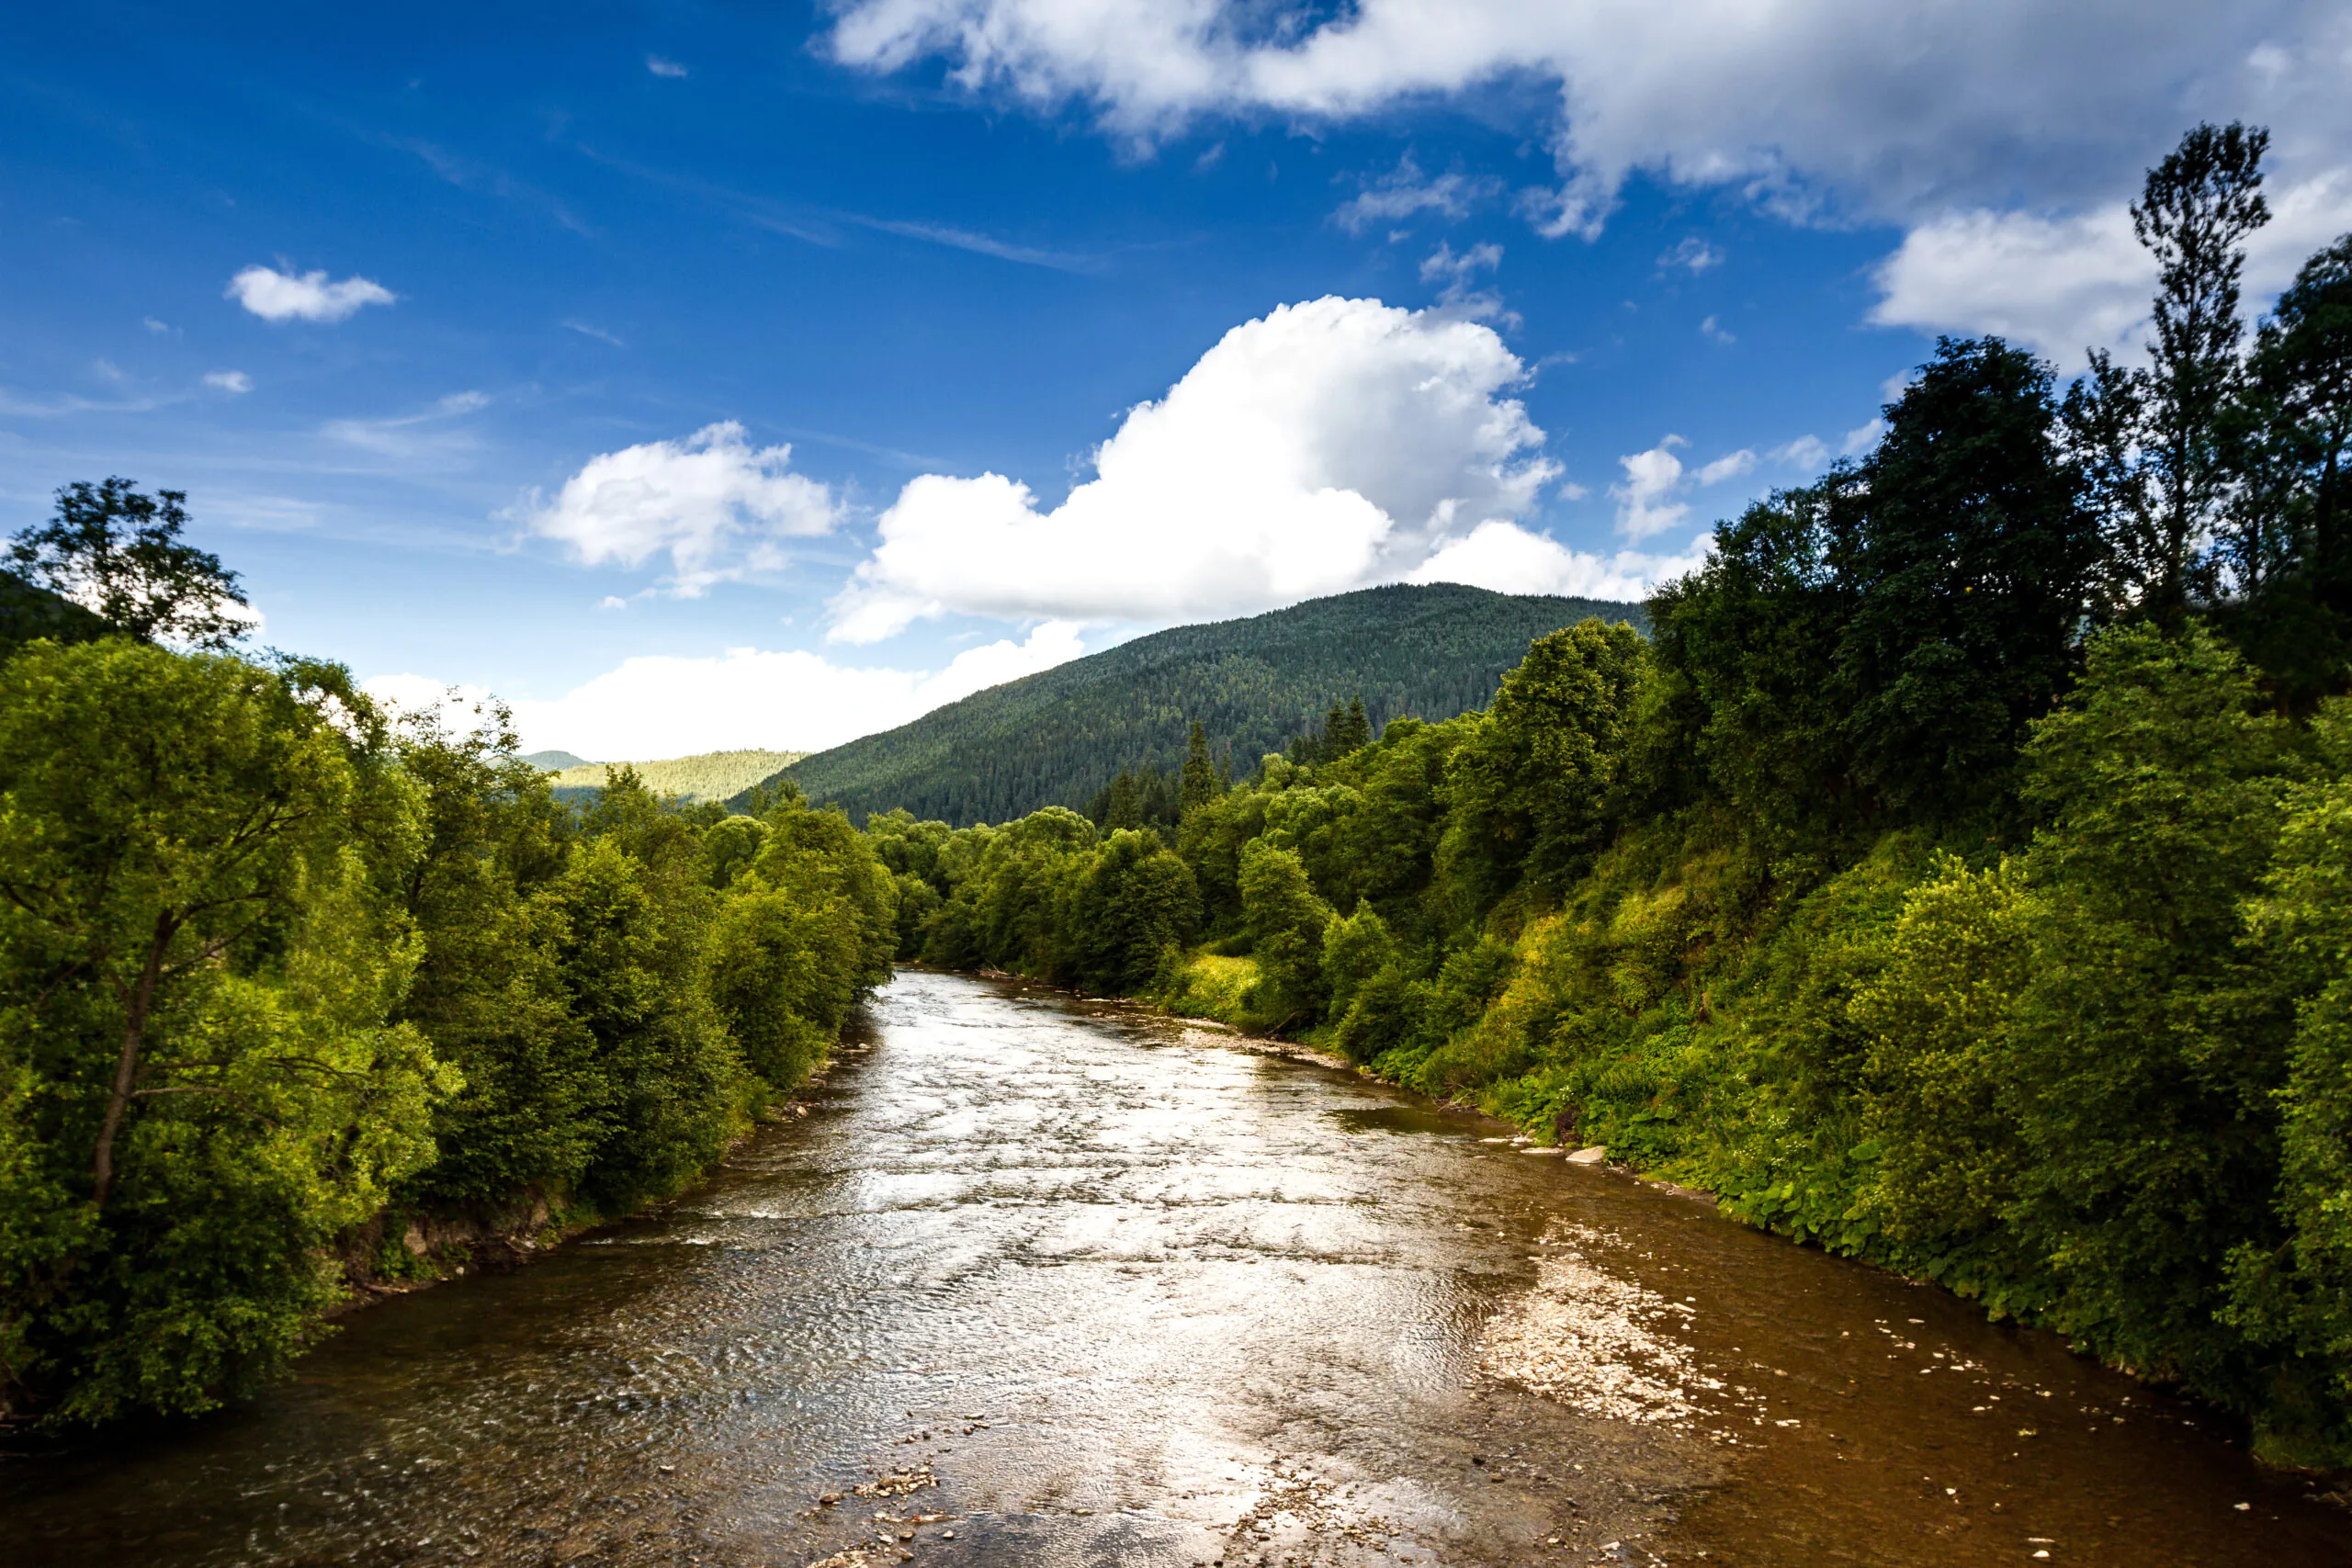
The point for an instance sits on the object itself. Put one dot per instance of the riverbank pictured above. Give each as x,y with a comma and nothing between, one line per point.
1547,1337
1040,1280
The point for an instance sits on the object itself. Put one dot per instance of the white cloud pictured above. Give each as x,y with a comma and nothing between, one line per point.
1404,192
277,296
1708,329
1730,466
1808,454
1862,438
2062,284
161,329
1646,503
1898,112
1693,252
1645,506
1321,448
1457,272
720,508
1508,558
229,380
661,67
664,707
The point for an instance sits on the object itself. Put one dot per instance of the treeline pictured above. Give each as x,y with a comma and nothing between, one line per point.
1958,876
281,972
1061,737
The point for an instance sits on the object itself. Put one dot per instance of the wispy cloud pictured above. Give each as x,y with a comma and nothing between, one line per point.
229,380
823,226
661,67
1693,252
1405,192
429,434
600,334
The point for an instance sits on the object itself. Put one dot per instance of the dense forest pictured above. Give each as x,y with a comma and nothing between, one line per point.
1958,876
288,983
1059,738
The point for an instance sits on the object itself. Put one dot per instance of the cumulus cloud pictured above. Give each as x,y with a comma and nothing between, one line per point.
1458,273
2067,282
229,380
662,706
1321,448
1897,112
277,296
719,507
1508,558
1646,503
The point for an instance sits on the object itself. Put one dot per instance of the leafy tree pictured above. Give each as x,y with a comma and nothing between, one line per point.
2154,441
199,1078
2296,1293
1133,910
2148,1048
118,552
1969,570
1531,789
1286,920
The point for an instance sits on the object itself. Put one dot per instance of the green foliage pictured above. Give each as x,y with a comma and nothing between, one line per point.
269,967
200,1077
1059,736
1531,789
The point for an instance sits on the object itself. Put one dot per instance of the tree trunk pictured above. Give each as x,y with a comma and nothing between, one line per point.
125,1067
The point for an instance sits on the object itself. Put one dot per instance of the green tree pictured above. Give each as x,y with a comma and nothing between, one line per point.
1134,908
2148,1045
1970,570
199,1078
1200,776
118,552
1531,789
1286,920
2154,442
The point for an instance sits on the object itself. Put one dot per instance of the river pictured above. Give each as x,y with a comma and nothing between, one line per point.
1040,1283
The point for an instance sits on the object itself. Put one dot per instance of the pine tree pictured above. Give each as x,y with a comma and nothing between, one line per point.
1200,778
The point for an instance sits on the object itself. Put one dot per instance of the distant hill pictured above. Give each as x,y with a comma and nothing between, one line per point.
554,761
29,611
1057,736
713,776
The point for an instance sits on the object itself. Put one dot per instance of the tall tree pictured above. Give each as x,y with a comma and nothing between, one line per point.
2302,371
1971,569
2154,441
1200,776
118,552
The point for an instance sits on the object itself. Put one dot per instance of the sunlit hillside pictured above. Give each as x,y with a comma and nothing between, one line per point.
713,776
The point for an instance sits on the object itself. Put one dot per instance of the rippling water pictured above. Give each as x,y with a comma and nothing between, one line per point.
1041,1284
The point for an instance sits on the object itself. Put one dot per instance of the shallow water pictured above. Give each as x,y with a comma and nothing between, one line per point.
1059,1285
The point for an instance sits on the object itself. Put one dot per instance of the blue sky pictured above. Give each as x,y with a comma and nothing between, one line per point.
475,335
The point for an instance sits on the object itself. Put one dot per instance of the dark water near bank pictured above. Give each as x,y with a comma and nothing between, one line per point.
1092,1291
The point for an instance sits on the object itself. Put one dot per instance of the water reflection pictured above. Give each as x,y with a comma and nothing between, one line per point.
1039,1284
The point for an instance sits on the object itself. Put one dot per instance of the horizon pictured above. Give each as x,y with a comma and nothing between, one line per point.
696,382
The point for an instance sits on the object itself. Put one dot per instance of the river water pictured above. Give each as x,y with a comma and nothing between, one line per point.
1045,1284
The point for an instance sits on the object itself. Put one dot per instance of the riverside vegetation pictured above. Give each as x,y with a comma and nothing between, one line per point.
1958,876
281,975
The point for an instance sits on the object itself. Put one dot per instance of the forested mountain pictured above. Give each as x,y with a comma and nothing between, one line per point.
1057,737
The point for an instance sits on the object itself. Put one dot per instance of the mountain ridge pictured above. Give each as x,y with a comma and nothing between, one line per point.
1057,737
